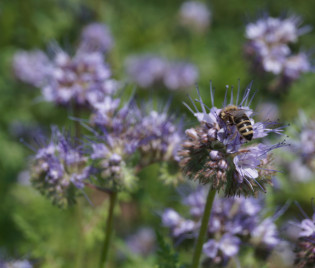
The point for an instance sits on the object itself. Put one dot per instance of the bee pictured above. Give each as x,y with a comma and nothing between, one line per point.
233,115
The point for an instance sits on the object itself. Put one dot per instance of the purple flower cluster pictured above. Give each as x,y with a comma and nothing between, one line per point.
150,70
82,79
234,222
58,169
129,131
96,37
269,40
215,152
302,149
195,15
305,250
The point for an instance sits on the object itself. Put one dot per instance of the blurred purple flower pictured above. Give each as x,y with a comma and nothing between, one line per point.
214,152
96,37
305,247
150,70
142,242
180,75
195,15
32,67
268,45
16,264
302,149
84,79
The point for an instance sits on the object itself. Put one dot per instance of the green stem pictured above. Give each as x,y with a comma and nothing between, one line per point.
109,227
203,229
80,248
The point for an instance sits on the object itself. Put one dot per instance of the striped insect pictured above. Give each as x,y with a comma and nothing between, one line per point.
233,115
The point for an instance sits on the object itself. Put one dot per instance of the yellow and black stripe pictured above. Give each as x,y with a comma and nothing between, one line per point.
245,127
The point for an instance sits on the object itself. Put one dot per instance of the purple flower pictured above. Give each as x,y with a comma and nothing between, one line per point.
297,64
142,242
195,15
150,70
303,149
16,264
58,169
305,247
268,45
159,136
32,67
96,37
176,223
228,246
215,153
180,75
146,70
84,79
234,222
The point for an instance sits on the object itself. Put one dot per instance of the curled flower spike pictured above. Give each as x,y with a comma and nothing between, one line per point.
59,169
216,151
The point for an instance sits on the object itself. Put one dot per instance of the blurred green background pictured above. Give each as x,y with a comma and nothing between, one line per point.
30,227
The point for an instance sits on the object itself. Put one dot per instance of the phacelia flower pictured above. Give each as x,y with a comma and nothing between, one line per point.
122,133
32,67
96,37
269,46
216,152
150,70
58,169
159,134
234,223
82,79
142,242
301,164
305,248
195,15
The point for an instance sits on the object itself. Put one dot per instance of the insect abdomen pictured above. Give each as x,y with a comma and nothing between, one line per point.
245,127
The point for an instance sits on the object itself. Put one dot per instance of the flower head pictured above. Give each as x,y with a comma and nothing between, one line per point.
302,150
195,15
128,132
83,79
151,70
96,37
215,152
305,248
59,169
32,67
234,222
269,46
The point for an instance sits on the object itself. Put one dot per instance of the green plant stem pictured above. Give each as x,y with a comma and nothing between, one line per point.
203,229
108,229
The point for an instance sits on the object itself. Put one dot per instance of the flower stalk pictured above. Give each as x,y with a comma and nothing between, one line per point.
108,229
203,228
